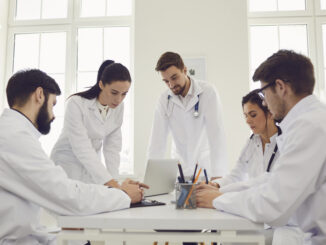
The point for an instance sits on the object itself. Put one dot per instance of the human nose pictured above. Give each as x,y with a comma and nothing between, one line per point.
170,84
119,99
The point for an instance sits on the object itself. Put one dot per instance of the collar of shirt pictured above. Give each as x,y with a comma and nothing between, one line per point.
102,107
195,89
189,95
258,142
26,122
301,107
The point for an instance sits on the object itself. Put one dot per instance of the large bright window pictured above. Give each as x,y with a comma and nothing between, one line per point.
69,39
299,25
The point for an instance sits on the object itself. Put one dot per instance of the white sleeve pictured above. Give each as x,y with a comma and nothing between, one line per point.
292,181
243,185
160,131
112,145
31,175
216,134
239,172
81,144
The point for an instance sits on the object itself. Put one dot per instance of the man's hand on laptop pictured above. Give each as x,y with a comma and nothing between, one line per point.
133,191
140,184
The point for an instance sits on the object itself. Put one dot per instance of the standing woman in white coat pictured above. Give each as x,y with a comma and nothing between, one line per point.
260,152
92,124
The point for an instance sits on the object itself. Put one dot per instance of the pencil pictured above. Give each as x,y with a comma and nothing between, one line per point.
193,177
192,187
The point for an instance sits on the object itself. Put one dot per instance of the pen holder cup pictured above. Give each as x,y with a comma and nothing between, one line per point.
182,191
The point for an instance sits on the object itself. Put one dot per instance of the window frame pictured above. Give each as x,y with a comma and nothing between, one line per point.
313,17
70,25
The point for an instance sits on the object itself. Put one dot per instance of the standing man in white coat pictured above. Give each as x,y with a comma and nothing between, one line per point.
191,110
296,189
29,180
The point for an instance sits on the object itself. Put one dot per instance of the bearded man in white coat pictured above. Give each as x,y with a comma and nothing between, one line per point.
191,111
29,180
295,191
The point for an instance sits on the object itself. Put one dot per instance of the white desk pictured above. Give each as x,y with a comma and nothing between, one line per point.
137,224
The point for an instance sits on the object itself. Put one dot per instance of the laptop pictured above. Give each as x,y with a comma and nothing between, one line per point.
160,175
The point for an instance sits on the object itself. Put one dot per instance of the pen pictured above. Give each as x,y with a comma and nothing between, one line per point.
179,179
181,173
192,187
205,173
193,177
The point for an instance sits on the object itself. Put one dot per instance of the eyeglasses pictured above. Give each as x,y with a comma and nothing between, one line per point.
261,93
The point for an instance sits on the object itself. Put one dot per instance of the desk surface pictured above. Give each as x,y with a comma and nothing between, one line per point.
161,217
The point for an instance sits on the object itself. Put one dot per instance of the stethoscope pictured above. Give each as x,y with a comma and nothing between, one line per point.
279,132
196,111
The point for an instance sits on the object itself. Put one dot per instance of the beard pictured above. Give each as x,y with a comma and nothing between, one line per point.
279,116
180,90
43,119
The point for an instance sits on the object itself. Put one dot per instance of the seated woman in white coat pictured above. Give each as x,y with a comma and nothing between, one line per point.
260,151
92,124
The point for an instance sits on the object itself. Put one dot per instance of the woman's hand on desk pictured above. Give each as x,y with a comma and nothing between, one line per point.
205,194
133,191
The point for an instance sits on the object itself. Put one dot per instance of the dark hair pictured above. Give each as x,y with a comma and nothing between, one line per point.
107,73
169,59
23,83
291,67
254,98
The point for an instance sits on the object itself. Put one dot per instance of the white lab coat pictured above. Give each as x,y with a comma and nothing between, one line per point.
296,188
29,180
250,171
78,149
197,139
252,163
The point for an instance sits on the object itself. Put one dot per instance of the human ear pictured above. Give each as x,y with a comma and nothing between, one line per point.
185,70
280,86
39,95
101,84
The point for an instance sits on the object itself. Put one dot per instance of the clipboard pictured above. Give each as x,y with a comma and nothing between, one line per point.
146,203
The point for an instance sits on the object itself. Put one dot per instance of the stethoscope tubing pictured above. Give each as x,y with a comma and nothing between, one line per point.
196,111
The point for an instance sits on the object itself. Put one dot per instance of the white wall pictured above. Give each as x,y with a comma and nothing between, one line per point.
3,42
215,29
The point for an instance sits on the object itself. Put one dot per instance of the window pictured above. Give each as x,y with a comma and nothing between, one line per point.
41,9
44,35
299,25
276,5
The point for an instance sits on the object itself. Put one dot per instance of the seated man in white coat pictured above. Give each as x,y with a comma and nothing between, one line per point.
295,191
191,110
29,180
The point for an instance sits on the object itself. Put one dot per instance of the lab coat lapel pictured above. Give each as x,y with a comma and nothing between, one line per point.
197,91
174,99
91,104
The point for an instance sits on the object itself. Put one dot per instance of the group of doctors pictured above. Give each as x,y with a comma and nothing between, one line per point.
279,178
